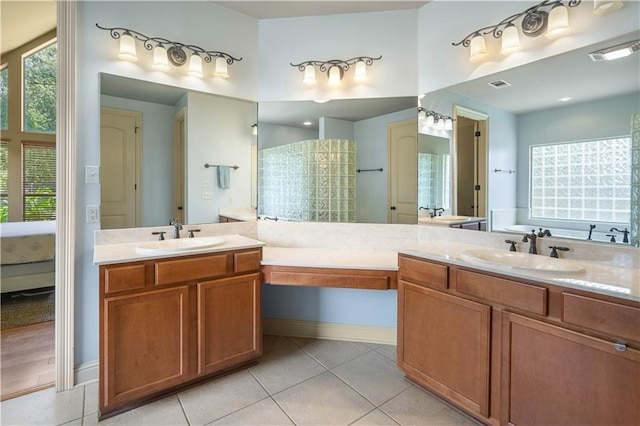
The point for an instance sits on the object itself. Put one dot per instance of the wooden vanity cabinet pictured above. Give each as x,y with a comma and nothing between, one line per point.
170,322
515,352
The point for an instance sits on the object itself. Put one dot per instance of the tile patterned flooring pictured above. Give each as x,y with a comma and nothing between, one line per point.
298,381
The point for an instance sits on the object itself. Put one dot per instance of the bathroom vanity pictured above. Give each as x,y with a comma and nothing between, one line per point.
171,319
515,350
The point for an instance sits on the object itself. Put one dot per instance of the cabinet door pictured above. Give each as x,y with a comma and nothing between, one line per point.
229,322
145,343
443,343
555,376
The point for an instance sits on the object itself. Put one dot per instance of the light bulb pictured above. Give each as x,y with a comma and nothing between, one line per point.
558,22
127,47
478,49
603,7
335,75
361,71
309,75
221,68
160,60
510,40
195,66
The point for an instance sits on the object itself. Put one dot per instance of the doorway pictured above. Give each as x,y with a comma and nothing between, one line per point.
470,145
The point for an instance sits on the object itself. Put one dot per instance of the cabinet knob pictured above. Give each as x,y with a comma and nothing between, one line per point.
620,347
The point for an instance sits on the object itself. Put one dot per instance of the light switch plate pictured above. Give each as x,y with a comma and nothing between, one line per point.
92,174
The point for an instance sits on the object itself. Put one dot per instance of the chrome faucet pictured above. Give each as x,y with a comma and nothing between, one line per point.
177,226
531,239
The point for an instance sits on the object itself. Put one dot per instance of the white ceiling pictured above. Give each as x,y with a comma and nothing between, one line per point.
25,20
291,9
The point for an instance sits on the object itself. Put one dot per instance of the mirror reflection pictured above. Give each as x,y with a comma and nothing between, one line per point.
155,140
558,144
338,161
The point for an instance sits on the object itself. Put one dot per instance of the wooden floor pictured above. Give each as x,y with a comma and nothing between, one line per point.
27,362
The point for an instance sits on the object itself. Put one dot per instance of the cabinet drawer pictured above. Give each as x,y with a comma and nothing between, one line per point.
509,293
247,261
181,270
611,318
423,273
123,277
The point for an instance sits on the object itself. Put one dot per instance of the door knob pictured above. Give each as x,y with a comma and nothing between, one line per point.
393,207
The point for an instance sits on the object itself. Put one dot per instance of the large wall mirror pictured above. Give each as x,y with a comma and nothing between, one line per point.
155,140
347,160
559,143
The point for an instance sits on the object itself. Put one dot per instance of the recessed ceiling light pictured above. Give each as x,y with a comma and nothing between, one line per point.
565,99
307,123
615,52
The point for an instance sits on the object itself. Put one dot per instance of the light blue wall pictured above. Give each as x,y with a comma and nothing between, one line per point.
157,157
270,135
335,305
333,128
590,120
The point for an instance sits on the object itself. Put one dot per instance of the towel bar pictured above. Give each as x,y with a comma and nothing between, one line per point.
207,165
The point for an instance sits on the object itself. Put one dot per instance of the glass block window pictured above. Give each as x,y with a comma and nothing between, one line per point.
39,181
586,180
427,179
39,85
4,182
4,98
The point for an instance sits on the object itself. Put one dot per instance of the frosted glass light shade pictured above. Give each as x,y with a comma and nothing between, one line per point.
361,71
448,124
195,66
510,40
127,48
221,68
334,76
309,75
430,121
558,24
478,49
160,60
440,124
602,7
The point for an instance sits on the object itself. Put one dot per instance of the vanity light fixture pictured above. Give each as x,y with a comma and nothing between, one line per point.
335,69
549,17
167,52
615,52
436,120
254,129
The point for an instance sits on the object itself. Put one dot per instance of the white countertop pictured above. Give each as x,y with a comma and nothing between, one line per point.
616,281
448,221
126,252
330,258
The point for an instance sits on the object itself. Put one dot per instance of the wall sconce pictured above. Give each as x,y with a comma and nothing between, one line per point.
553,22
435,120
254,129
335,69
167,51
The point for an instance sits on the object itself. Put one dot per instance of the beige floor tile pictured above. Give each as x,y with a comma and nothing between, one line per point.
45,407
374,376
301,341
418,407
375,418
91,398
282,369
265,412
325,400
390,351
373,345
218,398
274,343
76,422
332,353
166,411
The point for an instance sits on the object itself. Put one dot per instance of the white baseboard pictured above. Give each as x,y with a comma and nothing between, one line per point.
86,373
328,330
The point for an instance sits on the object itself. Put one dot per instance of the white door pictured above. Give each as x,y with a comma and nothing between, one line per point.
119,147
179,137
403,172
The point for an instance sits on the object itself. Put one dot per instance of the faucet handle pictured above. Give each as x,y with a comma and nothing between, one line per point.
613,238
191,231
513,245
161,233
554,249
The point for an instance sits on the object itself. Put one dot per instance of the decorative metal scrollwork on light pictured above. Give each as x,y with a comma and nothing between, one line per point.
335,68
436,120
175,52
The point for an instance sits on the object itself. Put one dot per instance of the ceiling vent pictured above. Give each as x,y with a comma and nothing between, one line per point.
615,52
499,84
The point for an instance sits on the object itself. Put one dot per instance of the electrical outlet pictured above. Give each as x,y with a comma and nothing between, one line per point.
93,214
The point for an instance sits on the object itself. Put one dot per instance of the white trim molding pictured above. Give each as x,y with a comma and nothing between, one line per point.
86,373
328,330
65,195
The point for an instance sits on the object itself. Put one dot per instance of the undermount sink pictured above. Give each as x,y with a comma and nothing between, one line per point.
177,245
521,261
450,218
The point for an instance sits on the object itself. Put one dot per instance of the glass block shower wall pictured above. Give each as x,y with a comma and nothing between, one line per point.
312,180
635,180
427,176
